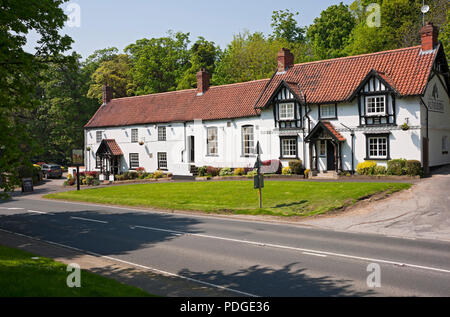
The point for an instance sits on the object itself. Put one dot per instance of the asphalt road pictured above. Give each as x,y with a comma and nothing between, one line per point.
247,258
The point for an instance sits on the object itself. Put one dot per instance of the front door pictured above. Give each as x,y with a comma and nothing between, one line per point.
191,149
331,160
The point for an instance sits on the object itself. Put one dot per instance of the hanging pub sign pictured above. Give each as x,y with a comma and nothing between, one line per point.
27,185
77,158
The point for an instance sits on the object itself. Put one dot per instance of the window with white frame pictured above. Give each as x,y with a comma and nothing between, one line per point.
248,140
162,161
327,111
286,111
378,147
375,105
134,136
289,147
134,161
212,144
99,136
162,134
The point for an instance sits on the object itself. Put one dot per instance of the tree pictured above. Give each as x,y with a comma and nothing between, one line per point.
203,55
62,112
249,56
114,72
401,21
285,27
330,32
159,63
20,72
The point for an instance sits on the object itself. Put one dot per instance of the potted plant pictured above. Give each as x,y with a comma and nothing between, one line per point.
405,126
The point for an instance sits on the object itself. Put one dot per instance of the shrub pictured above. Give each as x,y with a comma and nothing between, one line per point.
379,170
119,177
158,174
286,170
69,176
71,181
140,170
253,172
213,171
239,171
202,171
413,168
296,167
89,180
396,167
95,182
366,168
226,171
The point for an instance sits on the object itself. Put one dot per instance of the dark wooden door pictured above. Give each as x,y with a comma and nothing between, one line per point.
192,149
331,160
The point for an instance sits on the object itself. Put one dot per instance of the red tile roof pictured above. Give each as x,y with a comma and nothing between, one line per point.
335,80
114,147
406,70
333,131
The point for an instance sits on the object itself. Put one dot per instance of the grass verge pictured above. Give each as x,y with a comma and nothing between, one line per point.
23,276
280,198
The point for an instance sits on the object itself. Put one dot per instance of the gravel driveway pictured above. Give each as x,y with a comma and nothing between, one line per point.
420,212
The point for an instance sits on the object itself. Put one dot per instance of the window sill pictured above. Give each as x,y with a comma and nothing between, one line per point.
248,156
212,155
330,118
377,159
289,158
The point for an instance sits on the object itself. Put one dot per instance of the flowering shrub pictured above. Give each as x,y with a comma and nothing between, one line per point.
226,171
286,171
239,171
366,168
213,171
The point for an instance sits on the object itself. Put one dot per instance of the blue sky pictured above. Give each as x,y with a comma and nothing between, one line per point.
107,23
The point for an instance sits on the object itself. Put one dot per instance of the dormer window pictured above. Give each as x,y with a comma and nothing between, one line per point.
376,105
287,111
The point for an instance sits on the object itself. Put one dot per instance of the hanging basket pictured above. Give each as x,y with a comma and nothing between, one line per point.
405,127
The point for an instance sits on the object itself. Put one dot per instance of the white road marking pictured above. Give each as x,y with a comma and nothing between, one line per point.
315,252
38,212
86,219
136,265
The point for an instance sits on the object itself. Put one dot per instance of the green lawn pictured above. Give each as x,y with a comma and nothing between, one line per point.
281,198
21,276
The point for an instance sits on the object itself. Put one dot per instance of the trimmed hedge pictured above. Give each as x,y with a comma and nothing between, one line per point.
396,167
296,167
413,168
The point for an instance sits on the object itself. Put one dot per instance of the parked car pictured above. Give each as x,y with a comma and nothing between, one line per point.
52,170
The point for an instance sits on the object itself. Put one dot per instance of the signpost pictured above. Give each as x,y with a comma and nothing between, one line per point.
259,178
77,160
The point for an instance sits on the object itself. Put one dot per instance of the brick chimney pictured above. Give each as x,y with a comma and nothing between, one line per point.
203,79
285,60
429,34
107,94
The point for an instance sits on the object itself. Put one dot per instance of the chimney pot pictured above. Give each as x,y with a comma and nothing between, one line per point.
429,34
203,81
285,60
107,94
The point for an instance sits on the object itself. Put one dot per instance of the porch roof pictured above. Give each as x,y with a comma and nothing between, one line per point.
109,146
328,128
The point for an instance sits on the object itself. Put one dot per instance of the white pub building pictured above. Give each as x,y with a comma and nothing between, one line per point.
331,114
